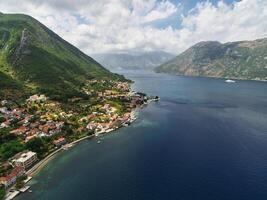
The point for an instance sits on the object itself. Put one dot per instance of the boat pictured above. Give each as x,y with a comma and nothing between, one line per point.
65,148
125,124
98,142
230,81
30,191
109,130
24,189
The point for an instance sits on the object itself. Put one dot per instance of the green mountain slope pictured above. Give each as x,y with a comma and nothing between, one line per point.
33,58
239,60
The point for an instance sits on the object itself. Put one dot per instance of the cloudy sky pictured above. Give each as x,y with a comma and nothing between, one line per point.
98,26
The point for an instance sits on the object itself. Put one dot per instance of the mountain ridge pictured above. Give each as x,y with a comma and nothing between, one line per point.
38,60
237,60
146,60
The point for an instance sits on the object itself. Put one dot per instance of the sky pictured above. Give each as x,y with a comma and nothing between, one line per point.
130,26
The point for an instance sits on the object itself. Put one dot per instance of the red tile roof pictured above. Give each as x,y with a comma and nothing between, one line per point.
17,171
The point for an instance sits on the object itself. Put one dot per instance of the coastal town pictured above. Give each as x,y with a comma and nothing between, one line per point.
34,129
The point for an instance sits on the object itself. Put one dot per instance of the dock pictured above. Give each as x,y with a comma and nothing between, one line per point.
11,195
28,179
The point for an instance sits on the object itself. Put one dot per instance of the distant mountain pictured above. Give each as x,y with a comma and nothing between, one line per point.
239,60
147,60
35,59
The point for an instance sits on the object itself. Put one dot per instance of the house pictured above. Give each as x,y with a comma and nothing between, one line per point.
42,134
30,137
17,113
19,131
59,142
33,131
4,110
26,120
91,126
37,98
91,116
51,128
26,159
4,102
34,125
11,178
5,124
59,125
54,131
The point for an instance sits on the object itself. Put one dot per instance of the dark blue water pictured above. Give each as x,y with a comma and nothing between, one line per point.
204,140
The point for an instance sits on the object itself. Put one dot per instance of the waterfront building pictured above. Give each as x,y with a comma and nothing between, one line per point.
59,142
26,159
10,179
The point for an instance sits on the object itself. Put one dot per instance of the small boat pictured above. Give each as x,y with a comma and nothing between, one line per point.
24,189
230,81
98,142
30,191
65,148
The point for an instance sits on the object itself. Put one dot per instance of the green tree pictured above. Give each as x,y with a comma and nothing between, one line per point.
20,182
6,136
10,148
37,145
2,118
2,192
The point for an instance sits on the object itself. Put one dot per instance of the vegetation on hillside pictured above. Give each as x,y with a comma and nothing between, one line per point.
240,60
35,59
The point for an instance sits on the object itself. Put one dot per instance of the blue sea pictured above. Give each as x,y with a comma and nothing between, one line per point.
204,140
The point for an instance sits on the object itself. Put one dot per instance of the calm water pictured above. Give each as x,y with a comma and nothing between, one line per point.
204,140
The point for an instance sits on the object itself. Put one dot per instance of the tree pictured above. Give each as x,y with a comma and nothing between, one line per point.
20,182
37,145
68,129
2,192
2,118
6,136
10,148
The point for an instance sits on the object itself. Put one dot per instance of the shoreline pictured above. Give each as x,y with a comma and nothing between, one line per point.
31,173
42,163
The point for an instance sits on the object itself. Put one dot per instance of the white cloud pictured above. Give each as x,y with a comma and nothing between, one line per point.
244,20
161,11
125,25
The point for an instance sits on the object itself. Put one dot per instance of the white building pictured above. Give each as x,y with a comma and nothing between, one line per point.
26,159
37,98
4,102
4,110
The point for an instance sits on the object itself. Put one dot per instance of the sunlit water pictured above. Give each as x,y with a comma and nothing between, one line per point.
205,140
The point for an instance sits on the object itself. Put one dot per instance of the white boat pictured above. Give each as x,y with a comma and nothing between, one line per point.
230,81
98,142
109,130
65,148
24,189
